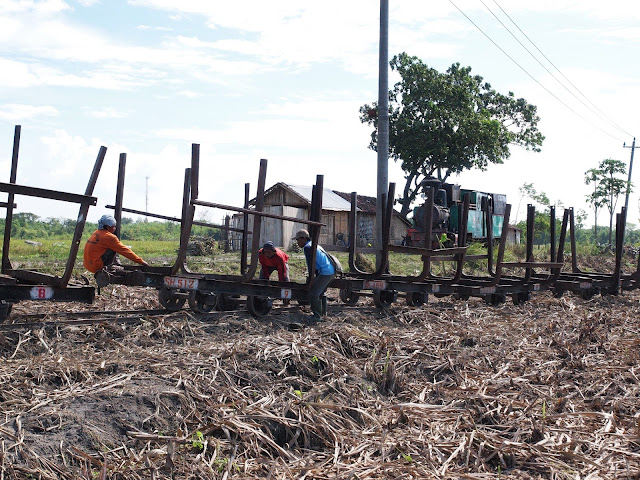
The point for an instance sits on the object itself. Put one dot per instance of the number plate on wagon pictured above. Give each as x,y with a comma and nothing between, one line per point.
286,293
374,285
181,282
41,292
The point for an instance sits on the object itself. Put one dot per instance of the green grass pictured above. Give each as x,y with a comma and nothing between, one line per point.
50,257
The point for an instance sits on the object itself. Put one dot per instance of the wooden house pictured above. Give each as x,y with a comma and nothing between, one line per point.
295,201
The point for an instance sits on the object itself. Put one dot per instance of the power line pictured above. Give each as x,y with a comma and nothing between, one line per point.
531,76
552,64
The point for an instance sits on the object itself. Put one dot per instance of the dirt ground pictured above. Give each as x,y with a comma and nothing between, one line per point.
450,390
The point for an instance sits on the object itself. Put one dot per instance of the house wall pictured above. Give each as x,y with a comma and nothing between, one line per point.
289,229
341,224
513,235
398,230
271,229
283,197
284,203
366,229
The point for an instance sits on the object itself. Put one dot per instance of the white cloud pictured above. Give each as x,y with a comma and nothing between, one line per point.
156,28
189,94
16,112
41,7
23,75
107,113
284,80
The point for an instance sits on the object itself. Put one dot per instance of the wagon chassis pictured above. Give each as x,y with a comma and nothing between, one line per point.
22,285
177,285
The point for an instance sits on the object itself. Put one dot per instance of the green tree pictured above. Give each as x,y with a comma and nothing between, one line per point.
542,219
528,190
608,187
444,123
592,176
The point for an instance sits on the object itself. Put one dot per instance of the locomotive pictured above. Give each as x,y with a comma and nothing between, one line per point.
447,212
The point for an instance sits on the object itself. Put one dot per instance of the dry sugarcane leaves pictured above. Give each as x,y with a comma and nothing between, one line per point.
454,389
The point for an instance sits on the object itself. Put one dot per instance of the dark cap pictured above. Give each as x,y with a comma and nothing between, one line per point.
301,234
269,246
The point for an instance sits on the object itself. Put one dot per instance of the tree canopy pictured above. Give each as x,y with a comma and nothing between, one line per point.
443,123
607,188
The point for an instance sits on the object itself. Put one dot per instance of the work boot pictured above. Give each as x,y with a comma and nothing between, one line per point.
102,278
323,299
316,310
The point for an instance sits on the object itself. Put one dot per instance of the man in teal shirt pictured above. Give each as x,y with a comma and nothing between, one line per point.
324,274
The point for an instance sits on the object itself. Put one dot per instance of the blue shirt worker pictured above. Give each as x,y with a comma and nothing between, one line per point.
325,272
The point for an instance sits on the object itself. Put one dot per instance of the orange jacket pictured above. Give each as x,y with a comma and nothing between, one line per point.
100,242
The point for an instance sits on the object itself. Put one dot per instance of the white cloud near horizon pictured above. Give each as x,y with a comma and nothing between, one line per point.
284,81
18,113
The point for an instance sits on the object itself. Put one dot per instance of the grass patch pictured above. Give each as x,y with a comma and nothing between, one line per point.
50,255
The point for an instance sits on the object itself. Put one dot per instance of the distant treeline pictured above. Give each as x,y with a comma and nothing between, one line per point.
584,235
30,226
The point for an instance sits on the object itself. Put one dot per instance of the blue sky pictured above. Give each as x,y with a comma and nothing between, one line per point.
283,81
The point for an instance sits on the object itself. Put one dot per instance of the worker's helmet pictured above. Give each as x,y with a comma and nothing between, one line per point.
106,221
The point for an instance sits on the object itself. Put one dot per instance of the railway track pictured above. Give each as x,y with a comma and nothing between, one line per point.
88,318
211,295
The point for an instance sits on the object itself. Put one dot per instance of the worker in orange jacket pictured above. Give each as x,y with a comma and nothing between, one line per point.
103,245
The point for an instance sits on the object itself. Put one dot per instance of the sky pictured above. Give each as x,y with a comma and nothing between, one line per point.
284,81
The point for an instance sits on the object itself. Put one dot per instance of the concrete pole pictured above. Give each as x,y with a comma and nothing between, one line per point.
383,123
626,198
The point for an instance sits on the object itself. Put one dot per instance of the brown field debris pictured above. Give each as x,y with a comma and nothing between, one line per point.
452,390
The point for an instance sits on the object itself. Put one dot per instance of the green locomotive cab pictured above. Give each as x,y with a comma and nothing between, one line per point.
446,216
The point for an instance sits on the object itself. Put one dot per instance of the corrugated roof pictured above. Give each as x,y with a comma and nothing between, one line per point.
368,205
330,201
365,204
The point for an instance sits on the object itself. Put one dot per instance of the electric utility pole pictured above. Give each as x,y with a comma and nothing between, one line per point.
146,197
632,147
383,124
626,198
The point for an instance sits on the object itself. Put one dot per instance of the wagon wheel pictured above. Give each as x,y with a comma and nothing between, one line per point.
557,292
495,299
417,299
202,302
349,297
259,306
5,310
170,301
521,298
384,298
226,301
588,293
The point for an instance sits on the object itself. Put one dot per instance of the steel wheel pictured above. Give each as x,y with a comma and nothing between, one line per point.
588,293
170,301
495,299
5,310
202,302
521,298
417,299
349,296
384,298
259,306
226,301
